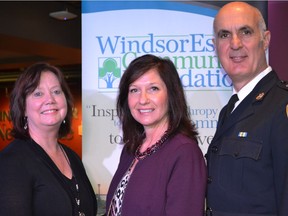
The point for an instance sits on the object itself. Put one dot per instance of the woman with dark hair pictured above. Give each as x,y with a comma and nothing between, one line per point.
161,170
39,175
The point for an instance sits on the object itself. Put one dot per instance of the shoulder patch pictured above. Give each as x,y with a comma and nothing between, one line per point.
283,84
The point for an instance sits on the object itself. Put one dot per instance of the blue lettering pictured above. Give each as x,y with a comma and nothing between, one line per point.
196,39
108,43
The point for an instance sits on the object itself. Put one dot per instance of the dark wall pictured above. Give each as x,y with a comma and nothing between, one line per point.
278,25
30,20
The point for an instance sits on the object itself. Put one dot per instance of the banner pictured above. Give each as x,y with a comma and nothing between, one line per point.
115,33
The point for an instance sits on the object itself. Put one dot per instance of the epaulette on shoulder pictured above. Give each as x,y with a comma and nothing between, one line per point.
283,84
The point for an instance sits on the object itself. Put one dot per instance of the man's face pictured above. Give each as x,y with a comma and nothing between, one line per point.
240,43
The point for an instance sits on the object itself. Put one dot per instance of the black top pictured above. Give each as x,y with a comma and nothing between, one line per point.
32,185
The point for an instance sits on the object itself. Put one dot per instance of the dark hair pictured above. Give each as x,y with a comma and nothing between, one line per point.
179,118
26,83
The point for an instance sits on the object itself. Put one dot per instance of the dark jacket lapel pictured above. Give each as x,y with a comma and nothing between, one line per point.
246,107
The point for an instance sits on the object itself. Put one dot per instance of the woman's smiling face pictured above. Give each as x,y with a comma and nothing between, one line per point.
46,106
148,100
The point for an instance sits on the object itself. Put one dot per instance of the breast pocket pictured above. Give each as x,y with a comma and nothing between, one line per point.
240,148
237,160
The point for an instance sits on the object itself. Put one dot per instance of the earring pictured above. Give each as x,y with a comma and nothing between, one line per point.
26,123
64,121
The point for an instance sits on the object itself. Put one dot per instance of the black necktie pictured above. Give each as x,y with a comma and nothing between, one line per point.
231,104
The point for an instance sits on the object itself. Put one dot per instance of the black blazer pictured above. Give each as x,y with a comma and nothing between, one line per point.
32,185
248,156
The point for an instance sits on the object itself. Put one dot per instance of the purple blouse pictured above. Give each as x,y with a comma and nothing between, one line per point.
171,181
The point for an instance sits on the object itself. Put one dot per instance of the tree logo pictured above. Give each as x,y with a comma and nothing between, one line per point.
109,73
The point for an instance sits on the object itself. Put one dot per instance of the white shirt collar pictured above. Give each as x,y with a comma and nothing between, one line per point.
250,86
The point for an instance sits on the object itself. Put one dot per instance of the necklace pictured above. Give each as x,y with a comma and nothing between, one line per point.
152,149
74,180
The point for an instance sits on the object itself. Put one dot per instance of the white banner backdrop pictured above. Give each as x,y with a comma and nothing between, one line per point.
113,34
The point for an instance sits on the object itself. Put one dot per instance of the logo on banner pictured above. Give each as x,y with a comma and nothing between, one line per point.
193,55
109,72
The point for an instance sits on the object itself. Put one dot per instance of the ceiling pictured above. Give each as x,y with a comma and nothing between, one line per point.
28,35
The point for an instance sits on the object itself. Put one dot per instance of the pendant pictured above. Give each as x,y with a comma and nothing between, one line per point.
81,214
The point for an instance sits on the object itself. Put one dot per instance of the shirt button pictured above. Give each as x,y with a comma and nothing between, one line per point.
236,154
209,179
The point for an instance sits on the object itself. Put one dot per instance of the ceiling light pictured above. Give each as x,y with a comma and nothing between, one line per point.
63,15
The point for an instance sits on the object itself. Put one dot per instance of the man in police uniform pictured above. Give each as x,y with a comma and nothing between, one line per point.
248,157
